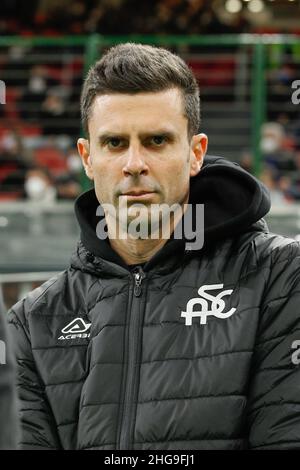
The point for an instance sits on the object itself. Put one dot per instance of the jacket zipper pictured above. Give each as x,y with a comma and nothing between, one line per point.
133,340
138,279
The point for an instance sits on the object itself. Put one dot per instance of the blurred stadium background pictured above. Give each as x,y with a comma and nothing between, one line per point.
246,56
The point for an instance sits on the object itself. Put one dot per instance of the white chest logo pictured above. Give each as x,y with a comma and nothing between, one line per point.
76,329
217,305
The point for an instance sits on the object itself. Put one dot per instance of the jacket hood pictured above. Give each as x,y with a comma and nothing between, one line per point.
233,199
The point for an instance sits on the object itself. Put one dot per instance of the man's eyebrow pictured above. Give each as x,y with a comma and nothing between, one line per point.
163,132
102,138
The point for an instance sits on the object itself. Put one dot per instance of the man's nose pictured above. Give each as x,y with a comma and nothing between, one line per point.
135,163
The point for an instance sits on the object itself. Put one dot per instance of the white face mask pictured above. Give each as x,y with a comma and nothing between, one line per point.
35,187
37,84
269,144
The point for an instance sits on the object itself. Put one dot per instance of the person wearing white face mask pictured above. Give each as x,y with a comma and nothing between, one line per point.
272,137
38,186
272,146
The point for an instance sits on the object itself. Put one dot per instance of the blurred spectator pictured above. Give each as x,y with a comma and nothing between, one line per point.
34,93
67,187
39,185
54,116
17,64
273,148
13,165
68,184
279,187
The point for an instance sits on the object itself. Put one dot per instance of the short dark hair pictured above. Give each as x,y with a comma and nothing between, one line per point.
133,68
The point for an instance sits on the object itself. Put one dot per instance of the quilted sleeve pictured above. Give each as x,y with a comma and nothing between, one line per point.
38,427
273,413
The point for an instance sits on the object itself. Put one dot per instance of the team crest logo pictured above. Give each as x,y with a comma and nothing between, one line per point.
217,305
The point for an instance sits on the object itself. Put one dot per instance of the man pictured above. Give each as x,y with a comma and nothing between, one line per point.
147,342
8,405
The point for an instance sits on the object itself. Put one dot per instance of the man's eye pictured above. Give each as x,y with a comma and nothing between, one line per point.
158,140
114,143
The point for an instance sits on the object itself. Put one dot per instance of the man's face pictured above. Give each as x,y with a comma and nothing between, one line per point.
139,144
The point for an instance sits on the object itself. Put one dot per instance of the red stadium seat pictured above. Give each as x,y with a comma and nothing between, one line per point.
52,158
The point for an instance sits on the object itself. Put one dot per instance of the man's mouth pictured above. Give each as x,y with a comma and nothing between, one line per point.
138,194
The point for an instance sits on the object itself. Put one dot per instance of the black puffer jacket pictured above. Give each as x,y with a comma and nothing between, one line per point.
107,357
8,403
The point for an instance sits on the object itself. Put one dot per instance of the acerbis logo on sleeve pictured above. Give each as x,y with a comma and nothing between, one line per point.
76,329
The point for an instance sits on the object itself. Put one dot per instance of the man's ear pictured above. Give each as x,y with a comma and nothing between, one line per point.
197,153
84,152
